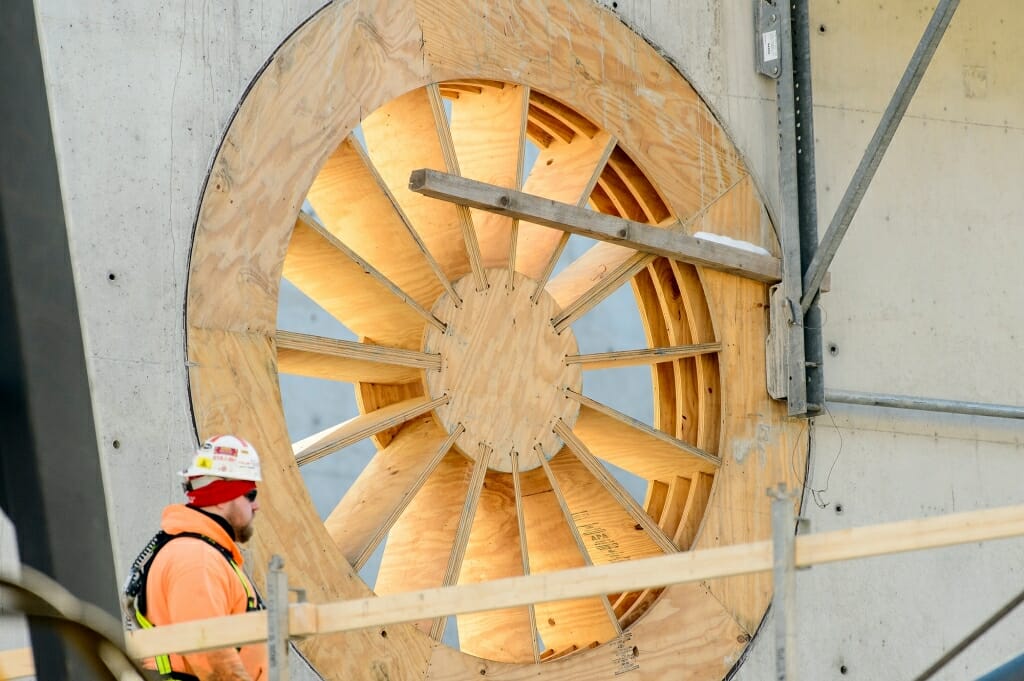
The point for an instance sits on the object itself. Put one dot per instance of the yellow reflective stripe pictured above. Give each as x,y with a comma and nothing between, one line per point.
250,601
163,662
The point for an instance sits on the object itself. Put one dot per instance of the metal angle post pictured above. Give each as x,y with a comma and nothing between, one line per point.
789,228
784,581
876,149
277,619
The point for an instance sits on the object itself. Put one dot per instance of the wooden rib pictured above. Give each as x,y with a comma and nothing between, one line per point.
684,421
663,376
698,316
351,290
645,356
355,204
451,161
693,512
611,267
361,427
552,125
539,136
636,447
420,542
400,136
618,492
486,138
459,87
626,205
384,489
520,177
640,605
654,500
524,549
675,505
566,173
636,182
566,114
339,360
570,522
451,574
493,552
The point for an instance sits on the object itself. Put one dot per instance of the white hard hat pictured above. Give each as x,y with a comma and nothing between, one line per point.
222,457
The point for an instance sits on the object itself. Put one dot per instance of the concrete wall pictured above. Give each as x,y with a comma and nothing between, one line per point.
926,295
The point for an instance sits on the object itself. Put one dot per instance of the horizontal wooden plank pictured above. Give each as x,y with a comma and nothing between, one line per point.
361,427
670,242
629,358
676,568
340,360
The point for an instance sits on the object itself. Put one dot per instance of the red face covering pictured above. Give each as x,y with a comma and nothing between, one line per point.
219,491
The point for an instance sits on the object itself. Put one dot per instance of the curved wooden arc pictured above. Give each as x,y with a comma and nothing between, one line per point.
350,59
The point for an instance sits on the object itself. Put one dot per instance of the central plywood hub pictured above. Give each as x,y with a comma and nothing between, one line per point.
503,369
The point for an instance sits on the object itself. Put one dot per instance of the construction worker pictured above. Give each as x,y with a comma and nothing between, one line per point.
192,568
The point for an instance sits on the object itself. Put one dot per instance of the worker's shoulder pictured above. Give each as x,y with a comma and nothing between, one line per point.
185,550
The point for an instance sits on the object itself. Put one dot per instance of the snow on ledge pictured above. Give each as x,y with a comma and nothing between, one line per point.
735,243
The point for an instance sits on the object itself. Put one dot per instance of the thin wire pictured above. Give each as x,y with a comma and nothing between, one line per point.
817,493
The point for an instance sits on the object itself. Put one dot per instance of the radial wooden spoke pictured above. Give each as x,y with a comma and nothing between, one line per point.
420,542
462,533
487,134
524,549
494,552
386,487
451,159
348,194
614,488
351,290
338,360
697,497
555,557
361,427
593,277
403,135
646,356
636,447
566,173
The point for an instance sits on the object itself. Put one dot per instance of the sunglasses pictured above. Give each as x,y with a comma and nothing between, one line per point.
250,495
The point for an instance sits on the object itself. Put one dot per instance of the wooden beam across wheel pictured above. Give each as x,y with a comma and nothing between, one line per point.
671,242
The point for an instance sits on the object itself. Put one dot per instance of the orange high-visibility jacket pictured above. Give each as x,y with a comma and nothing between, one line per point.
189,579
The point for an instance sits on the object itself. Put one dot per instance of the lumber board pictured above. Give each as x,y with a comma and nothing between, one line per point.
341,360
615,488
591,278
385,487
566,173
420,543
486,131
360,427
524,551
403,135
672,241
658,571
636,447
350,290
492,552
640,357
355,204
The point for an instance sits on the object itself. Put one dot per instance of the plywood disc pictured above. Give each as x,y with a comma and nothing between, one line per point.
505,403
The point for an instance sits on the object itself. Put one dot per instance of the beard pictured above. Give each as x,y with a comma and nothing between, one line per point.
244,533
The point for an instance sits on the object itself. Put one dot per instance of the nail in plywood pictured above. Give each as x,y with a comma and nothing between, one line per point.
339,360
